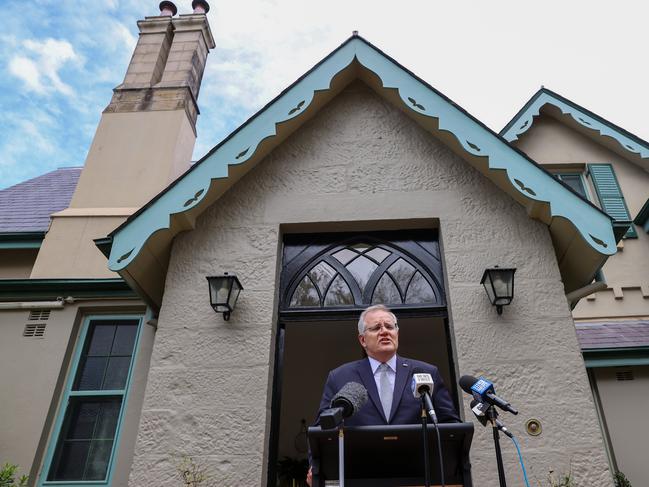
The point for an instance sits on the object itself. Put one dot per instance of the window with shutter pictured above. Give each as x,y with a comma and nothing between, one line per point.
611,197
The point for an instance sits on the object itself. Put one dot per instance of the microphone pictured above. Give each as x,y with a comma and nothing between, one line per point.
422,386
479,409
483,391
347,401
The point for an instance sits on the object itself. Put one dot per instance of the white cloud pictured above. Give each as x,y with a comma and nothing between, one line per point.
26,70
123,34
40,64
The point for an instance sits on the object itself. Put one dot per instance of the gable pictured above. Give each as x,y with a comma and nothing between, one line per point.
139,249
591,125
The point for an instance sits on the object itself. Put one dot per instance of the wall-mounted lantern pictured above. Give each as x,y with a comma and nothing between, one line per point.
499,284
224,291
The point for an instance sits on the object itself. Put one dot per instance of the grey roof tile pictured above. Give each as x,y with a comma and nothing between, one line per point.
613,334
27,206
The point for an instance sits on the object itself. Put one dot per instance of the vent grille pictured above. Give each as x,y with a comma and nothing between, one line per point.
35,330
39,315
624,374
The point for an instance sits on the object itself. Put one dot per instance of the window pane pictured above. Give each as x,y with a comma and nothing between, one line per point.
419,291
345,255
100,338
91,374
71,461
362,268
574,181
83,417
401,272
305,294
386,292
322,274
116,373
378,254
98,460
107,421
85,442
124,339
338,293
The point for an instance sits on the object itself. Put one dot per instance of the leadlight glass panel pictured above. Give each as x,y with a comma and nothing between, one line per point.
339,293
363,272
386,291
419,291
362,269
305,294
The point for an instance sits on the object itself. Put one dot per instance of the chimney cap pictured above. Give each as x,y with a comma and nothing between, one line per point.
167,8
200,6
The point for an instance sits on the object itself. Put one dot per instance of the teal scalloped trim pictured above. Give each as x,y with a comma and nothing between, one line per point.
525,120
525,177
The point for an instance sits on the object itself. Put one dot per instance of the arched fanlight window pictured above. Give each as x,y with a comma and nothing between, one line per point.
360,271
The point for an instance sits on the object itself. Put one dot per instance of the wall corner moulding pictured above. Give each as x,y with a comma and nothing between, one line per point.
176,208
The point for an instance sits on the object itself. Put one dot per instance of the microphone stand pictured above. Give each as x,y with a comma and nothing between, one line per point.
424,431
341,456
492,414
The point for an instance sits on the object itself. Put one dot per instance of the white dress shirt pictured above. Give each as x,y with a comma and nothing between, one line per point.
392,373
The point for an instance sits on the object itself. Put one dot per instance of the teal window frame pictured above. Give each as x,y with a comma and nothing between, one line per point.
560,176
69,393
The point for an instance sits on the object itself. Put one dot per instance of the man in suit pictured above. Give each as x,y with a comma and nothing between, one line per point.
386,376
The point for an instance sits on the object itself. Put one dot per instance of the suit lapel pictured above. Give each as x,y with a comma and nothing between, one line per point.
403,372
365,371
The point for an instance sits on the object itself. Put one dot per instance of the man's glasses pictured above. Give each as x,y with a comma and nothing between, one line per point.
377,328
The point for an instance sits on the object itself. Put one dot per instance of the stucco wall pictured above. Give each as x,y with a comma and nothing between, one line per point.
210,382
627,273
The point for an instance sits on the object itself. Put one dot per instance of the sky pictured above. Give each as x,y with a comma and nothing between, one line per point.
59,61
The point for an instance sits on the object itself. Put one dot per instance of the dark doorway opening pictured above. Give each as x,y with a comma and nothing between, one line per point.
315,336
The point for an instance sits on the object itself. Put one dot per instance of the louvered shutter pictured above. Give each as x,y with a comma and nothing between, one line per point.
610,195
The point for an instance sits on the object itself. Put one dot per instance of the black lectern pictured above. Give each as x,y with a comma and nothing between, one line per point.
392,456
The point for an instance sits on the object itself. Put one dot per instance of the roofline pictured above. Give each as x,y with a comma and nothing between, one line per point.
37,289
21,240
288,88
576,106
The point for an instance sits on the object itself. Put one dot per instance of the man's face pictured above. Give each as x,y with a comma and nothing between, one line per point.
380,344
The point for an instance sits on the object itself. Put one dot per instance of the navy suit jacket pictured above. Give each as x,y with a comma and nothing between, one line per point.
406,409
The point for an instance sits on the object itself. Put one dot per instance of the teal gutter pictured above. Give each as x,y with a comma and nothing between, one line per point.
616,357
643,217
21,240
46,289
524,119
525,177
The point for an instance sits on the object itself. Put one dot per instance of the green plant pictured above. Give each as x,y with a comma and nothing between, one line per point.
191,473
8,476
561,480
621,480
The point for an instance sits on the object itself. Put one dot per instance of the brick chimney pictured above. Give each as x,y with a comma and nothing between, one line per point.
144,140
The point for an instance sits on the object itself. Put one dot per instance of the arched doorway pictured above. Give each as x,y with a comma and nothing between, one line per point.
326,281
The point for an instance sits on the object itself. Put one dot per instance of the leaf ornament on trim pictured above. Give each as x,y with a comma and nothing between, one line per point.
598,241
125,256
473,146
415,104
297,108
242,153
585,122
194,198
524,188
527,122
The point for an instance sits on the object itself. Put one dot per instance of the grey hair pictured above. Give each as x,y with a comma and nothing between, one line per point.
376,307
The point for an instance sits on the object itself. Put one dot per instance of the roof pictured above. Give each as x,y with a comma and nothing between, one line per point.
614,137
27,206
619,334
582,234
